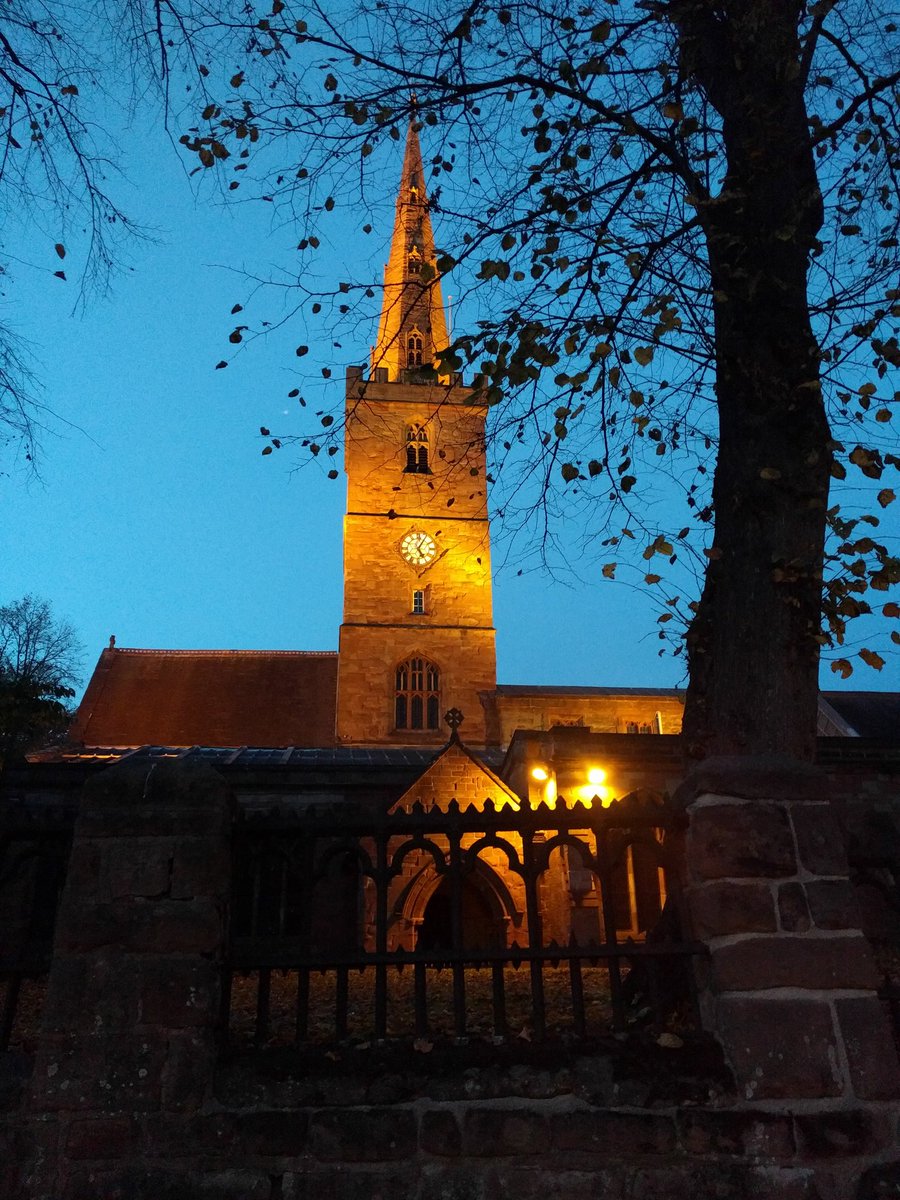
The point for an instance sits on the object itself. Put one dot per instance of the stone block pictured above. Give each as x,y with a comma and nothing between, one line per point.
200,867
178,993
793,911
813,961
493,1131
353,1183
820,842
457,1183
83,874
749,1134
724,1181
780,1049
725,907
142,1181
439,1133
138,867
871,1051
159,927
363,1135
98,1072
833,904
880,1182
611,1133
188,1068
90,993
556,1182
102,1137
842,1134
274,1134
178,1135
750,840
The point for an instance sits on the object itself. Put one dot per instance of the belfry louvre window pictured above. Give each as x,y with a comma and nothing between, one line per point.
417,700
416,451
414,349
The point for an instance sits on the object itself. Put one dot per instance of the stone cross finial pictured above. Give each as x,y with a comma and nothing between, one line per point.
454,719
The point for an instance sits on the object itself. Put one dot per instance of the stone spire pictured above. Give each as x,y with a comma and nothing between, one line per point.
412,324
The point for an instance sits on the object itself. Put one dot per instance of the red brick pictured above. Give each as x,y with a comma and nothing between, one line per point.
780,1049
871,1052
813,961
751,840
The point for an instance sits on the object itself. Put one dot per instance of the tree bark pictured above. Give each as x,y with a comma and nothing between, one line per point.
753,648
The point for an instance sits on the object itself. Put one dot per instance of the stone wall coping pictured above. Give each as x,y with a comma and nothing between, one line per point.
753,777
718,800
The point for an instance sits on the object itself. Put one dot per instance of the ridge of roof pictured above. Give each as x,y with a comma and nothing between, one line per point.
224,653
524,689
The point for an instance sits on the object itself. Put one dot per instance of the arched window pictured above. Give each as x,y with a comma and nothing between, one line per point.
416,451
417,697
414,349
413,260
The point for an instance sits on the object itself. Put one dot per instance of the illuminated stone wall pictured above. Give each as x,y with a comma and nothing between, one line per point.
603,714
385,503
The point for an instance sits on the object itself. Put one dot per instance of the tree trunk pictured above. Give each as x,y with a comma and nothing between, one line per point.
753,648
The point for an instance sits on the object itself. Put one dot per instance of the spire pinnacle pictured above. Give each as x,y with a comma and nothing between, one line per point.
412,325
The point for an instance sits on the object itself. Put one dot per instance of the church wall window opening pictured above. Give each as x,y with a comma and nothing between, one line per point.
414,345
416,451
417,699
418,602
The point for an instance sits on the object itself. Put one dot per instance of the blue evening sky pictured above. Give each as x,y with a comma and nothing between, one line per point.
155,517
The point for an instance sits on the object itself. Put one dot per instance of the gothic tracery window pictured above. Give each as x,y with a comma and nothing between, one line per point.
416,451
417,697
414,348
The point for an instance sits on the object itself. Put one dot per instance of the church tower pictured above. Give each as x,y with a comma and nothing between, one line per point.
417,636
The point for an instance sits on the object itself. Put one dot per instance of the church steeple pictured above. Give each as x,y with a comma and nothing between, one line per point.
412,325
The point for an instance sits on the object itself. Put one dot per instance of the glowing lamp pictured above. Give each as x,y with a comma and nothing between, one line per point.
595,775
539,773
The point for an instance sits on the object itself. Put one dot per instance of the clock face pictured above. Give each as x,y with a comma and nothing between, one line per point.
418,548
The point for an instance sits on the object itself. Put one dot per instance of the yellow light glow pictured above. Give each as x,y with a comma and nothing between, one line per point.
595,775
589,792
539,773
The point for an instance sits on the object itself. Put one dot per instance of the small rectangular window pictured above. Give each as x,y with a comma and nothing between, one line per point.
418,603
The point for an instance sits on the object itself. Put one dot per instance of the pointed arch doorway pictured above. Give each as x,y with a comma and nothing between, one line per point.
483,924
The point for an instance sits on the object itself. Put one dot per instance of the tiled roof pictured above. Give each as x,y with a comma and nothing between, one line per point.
869,714
209,698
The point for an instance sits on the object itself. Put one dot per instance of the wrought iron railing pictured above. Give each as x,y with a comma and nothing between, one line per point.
352,924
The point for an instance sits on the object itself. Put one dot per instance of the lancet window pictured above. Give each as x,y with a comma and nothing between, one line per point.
414,346
417,699
416,451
